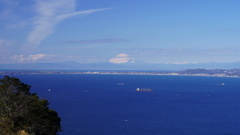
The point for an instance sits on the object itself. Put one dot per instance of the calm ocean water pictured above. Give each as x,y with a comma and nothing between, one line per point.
109,104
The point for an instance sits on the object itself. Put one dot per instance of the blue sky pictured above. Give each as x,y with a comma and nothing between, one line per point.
119,31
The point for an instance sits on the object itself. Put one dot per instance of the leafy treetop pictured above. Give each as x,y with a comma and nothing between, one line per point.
23,112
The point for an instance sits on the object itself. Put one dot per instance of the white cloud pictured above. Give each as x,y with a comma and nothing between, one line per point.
49,14
36,57
121,58
122,55
29,58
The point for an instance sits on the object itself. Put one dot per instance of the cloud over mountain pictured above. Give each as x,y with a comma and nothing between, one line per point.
121,58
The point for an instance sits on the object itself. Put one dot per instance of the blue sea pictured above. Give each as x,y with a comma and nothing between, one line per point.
109,104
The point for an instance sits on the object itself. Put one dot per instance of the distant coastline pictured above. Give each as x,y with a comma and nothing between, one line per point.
188,72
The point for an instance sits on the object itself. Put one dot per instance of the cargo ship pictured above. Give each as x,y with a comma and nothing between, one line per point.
143,89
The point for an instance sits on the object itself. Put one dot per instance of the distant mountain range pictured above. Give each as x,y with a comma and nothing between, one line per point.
111,66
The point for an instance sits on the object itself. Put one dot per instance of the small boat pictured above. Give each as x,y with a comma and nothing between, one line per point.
143,89
120,83
221,84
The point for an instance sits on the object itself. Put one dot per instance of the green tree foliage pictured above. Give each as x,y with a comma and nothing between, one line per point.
22,112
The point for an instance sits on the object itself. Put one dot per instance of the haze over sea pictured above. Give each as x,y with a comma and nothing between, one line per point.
109,104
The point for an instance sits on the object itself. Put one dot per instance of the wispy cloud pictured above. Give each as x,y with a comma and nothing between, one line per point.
96,41
48,14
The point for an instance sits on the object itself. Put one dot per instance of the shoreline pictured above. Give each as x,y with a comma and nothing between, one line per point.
115,73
